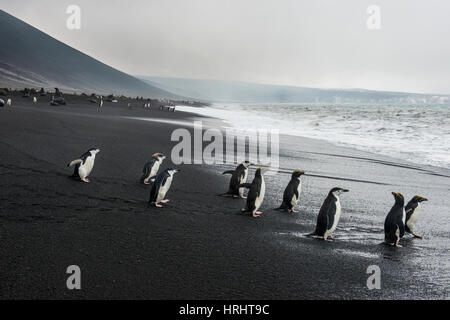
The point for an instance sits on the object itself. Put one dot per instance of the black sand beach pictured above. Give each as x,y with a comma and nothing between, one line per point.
198,247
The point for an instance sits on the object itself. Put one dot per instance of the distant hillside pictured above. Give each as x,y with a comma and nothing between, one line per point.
31,58
233,91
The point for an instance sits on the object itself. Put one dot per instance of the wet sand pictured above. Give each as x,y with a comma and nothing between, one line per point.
198,247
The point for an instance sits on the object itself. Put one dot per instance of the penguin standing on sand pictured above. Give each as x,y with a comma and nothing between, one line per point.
412,211
151,167
161,186
238,176
394,224
84,165
256,194
329,214
292,192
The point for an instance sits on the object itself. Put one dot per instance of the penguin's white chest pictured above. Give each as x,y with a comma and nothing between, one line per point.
413,218
337,215
163,189
243,180
294,200
260,198
85,169
404,216
155,168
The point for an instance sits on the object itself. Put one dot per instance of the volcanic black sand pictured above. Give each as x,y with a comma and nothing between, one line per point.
198,247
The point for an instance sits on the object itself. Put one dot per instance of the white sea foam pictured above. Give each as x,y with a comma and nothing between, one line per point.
416,133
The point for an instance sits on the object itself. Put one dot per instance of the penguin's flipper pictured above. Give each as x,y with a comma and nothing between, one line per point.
228,172
74,162
244,185
401,228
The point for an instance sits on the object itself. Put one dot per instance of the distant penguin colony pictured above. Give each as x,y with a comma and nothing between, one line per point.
84,165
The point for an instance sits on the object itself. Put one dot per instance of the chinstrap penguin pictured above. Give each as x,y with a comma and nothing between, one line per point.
161,186
292,192
329,214
255,197
84,165
151,167
238,176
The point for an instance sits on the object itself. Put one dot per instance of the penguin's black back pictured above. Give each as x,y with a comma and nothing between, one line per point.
236,179
254,192
160,180
147,169
289,192
394,221
325,218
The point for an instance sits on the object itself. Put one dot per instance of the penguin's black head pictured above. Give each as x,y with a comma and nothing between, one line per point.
418,199
398,196
259,171
337,191
297,173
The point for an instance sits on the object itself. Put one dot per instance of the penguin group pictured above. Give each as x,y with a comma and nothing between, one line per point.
161,182
399,220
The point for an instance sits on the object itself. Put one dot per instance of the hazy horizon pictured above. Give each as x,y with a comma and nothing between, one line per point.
321,44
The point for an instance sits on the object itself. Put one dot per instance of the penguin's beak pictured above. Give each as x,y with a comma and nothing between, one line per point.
394,193
345,190
424,199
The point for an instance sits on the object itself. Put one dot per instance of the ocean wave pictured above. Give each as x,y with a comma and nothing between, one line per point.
415,133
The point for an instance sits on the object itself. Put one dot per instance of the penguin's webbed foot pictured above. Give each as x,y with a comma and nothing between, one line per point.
165,201
257,214
398,245
158,205
85,180
146,182
243,197
417,236
294,211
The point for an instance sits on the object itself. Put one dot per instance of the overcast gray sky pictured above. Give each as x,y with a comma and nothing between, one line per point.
316,43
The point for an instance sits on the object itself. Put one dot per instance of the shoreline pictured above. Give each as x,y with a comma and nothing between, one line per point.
217,112
198,247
